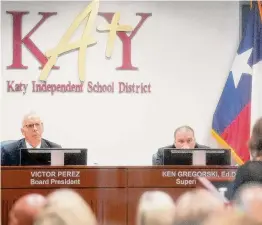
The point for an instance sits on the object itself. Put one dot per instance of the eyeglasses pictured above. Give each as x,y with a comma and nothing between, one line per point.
31,126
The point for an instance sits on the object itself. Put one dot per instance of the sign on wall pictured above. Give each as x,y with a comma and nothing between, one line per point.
48,58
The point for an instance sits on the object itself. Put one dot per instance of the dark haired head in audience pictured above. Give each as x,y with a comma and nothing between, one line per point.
255,143
251,171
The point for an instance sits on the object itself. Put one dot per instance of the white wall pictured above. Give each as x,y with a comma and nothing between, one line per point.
185,50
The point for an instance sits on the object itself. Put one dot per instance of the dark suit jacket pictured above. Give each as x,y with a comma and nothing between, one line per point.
159,156
10,153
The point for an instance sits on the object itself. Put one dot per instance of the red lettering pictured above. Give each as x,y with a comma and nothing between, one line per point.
10,86
18,40
126,40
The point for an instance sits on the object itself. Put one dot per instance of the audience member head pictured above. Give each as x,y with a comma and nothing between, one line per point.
66,207
197,205
229,218
32,129
155,208
184,137
249,200
255,143
26,209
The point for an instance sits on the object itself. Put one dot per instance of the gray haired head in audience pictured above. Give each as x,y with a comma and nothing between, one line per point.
248,199
230,218
196,205
155,208
66,207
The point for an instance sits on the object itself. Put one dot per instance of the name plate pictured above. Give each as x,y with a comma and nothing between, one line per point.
103,177
180,177
49,177
186,178
64,177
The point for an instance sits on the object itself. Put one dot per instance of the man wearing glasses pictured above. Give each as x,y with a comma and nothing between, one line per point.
32,130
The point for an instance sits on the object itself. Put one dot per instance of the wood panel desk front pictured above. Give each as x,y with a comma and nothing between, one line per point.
112,192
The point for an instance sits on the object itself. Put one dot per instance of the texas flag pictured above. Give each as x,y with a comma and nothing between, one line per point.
240,102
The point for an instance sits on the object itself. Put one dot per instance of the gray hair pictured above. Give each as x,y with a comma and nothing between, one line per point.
155,208
191,206
245,194
30,115
185,127
66,207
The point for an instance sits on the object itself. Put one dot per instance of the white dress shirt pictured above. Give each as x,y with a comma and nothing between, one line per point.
30,146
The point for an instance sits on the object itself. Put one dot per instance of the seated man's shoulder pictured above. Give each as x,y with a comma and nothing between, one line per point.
12,146
162,148
50,144
168,146
252,166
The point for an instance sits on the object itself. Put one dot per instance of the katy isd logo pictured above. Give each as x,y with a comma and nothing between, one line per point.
87,40
87,16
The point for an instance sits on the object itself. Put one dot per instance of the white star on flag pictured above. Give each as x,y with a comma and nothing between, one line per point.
240,66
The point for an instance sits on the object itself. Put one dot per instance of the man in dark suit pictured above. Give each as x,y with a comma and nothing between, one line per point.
184,138
32,130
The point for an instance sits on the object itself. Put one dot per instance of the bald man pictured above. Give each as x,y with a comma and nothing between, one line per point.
25,209
32,129
184,138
